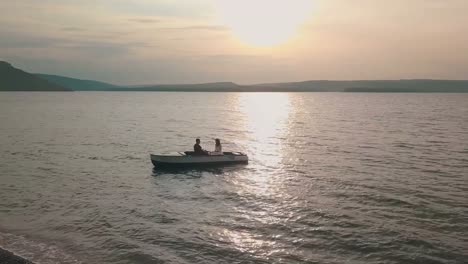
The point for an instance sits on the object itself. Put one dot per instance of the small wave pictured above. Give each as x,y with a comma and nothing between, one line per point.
32,251
129,157
436,142
431,171
45,169
404,145
100,158
366,147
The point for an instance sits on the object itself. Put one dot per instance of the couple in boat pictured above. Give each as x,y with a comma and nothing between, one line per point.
198,150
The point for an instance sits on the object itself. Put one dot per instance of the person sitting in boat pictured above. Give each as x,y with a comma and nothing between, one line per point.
218,148
197,149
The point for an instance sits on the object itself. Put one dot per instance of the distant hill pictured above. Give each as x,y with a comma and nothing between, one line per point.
410,86
12,79
202,87
381,86
90,85
77,84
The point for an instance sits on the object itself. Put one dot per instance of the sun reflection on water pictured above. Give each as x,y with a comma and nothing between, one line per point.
245,241
266,120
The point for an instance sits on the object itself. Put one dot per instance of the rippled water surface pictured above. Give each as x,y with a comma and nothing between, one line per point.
332,178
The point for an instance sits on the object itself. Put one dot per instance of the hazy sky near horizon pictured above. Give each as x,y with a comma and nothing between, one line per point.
245,41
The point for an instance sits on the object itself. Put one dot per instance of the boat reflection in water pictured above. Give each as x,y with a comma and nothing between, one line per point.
198,171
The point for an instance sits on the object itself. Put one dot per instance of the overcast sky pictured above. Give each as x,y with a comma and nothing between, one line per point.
245,41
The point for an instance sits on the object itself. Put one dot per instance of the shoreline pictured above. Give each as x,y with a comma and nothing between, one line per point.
9,257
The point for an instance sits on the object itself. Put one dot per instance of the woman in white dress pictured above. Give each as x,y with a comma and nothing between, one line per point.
218,148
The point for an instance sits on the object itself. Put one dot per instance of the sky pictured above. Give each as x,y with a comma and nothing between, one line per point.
243,41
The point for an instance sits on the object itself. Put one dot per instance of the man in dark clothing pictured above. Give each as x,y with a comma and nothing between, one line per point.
198,150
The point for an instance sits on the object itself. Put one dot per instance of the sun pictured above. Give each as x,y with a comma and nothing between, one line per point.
264,22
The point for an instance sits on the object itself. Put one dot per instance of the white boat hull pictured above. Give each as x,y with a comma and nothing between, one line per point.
187,159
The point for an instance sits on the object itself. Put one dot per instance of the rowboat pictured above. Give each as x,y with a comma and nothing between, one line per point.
189,158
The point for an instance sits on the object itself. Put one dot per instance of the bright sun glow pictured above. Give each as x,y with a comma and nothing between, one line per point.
264,22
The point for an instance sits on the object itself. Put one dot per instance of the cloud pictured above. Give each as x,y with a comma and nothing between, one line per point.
144,20
163,8
98,49
21,41
209,28
72,29
202,27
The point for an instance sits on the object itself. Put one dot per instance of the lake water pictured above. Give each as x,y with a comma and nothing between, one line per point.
332,178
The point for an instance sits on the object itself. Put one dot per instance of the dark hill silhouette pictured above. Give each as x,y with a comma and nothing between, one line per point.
201,87
12,79
78,84
91,85
412,86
